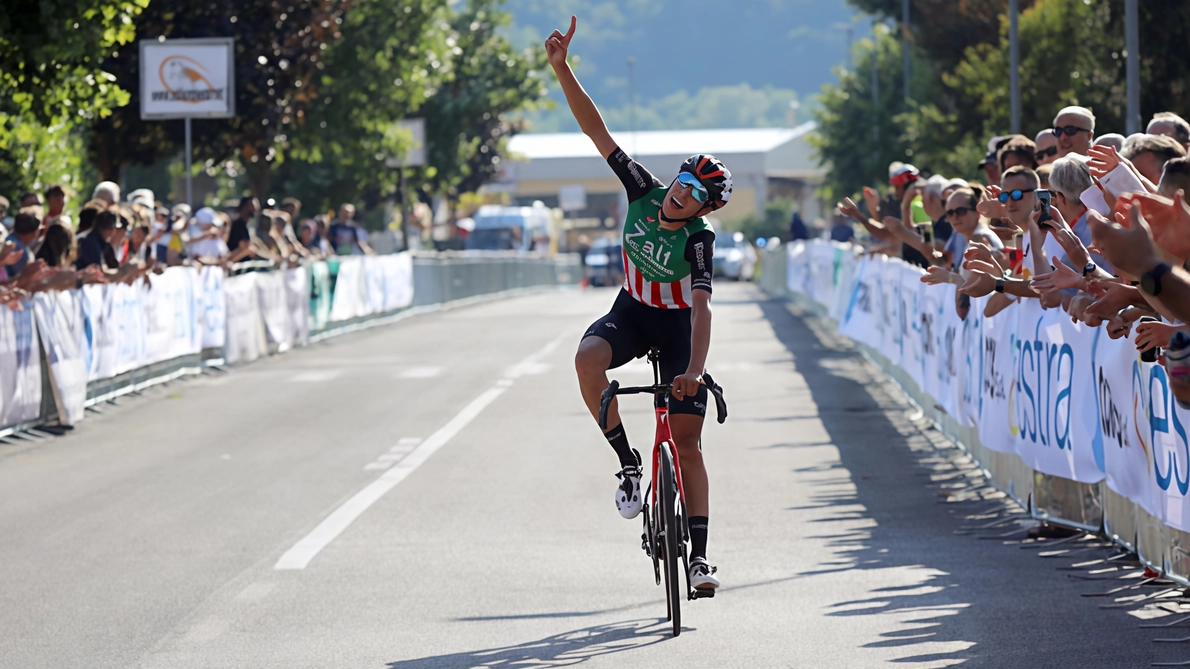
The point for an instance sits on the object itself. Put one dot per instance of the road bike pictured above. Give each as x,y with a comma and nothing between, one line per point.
666,524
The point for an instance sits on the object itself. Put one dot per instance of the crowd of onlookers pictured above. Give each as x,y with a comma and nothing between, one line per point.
1095,225
109,239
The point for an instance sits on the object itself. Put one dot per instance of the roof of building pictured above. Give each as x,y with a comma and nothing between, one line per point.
659,142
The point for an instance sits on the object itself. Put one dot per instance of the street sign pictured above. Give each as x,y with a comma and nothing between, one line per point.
187,78
416,155
572,198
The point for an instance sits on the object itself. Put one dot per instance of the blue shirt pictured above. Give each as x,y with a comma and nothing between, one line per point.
17,267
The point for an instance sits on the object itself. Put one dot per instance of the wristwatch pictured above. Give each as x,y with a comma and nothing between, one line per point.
1150,281
1000,286
1089,269
78,282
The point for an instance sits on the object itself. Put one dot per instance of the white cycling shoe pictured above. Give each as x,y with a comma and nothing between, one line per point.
702,574
628,498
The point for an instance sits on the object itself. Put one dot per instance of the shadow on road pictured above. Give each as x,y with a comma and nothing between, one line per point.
977,604
560,650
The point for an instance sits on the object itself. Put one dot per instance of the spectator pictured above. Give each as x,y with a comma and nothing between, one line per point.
841,230
1112,139
1170,125
344,234
108,192
143,197
25,229
87,214
55,200
1018,150
57,249
1070,177
206,239
361,234
95,244
1175,177
314,242
239,237
934,204
1047,147
1075,129
1043,174
991,163
30,199
797,228
1149,153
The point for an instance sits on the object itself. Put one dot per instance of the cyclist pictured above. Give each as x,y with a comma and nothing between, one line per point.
664,302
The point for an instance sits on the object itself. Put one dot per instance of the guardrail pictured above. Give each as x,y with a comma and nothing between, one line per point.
1066,421
67,351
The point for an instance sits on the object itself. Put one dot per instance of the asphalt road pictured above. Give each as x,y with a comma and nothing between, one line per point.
433,494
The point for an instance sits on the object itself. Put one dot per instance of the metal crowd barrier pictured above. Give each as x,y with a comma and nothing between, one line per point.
439,278
1093,508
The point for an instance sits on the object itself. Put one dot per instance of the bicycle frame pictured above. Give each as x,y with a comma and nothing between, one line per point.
663,435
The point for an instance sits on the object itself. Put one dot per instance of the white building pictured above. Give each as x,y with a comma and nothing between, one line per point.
765,163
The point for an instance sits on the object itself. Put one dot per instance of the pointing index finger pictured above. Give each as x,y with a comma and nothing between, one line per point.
570,33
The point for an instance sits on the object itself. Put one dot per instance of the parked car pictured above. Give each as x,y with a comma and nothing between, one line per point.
499,228
734,256
605,263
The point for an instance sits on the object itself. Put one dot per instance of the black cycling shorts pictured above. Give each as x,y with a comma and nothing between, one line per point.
633,328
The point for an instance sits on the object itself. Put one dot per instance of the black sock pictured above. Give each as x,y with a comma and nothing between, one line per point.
619,441
698,537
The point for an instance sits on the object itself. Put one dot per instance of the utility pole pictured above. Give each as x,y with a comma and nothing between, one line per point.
1132,44
905,52
875,85
848,28
1014,67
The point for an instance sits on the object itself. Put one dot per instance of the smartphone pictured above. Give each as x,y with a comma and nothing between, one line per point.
1043,202
1151,354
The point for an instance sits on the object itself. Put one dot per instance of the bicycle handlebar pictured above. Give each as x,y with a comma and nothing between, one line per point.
613,389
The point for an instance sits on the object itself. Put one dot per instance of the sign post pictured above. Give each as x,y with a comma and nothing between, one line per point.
414,157
186,79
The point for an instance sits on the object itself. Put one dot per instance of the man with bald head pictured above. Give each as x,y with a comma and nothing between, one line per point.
1170,125
1075,129
1047,147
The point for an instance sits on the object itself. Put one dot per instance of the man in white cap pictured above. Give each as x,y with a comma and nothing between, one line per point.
107,191
206,239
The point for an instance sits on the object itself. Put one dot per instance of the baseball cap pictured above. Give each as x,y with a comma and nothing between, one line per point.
902,175
994,145
207,216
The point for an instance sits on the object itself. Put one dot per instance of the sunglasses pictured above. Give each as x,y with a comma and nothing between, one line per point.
1044,153
1016,195
958,212
1070,130
697,190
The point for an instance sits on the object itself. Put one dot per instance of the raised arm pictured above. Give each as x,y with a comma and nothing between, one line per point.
581,105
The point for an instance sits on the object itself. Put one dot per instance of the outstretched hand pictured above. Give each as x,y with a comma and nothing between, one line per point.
557,44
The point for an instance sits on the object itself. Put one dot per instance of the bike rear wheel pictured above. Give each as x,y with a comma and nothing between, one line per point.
671,536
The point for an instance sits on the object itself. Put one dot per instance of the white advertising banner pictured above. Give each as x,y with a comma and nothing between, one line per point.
245,329
350,298
172,327
274,309
1053,403
187,77
861,319
63,331
374,282
212,308
1124,422
297,301
398,281
20,384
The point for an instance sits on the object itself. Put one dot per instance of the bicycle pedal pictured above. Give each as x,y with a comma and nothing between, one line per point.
702,593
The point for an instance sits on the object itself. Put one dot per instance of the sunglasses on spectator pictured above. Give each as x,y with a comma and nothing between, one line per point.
697,190
958,211
1043,153
1070,130
1016,195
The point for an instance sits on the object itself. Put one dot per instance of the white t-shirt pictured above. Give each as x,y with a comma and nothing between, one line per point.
210,248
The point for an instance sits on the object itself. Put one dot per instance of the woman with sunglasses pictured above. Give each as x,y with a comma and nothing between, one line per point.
665,302
971,228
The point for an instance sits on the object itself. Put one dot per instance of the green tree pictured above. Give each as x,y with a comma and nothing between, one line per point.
468,121
51,80
279,47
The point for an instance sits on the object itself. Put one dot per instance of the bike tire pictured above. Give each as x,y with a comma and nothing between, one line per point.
671,533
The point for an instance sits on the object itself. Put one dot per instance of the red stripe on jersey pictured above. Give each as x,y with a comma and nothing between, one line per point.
627,270
676,288
655,296
640,288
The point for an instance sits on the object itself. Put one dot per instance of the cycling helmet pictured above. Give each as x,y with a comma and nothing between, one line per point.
713,174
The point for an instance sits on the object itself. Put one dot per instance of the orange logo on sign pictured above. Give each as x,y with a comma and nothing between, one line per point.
185,80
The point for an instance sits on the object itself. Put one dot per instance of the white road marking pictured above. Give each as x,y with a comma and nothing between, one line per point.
332,526
420,373
316,376
372,466
407,441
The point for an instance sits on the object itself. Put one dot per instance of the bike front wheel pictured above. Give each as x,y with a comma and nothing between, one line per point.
671,535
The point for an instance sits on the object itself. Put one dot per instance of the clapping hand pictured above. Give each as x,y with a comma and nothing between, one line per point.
1129,249
1169,221
1060,279
848,208
1150,335
1104,159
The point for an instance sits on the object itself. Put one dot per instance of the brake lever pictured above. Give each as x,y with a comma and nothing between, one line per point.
605,401
717,393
